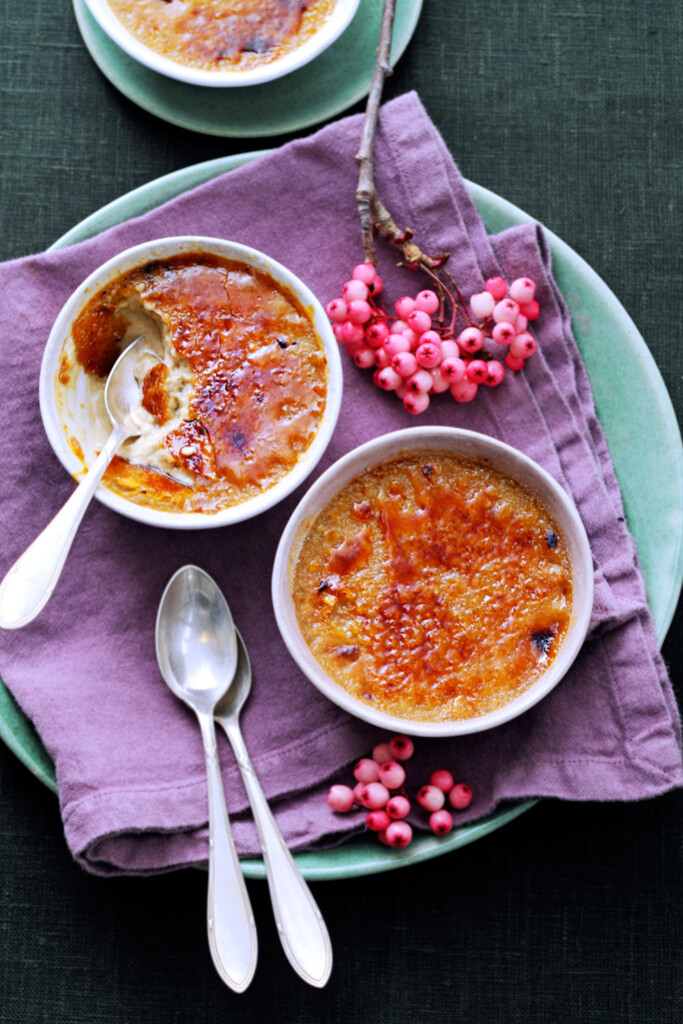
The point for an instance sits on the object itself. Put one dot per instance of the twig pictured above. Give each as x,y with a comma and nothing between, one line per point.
374,216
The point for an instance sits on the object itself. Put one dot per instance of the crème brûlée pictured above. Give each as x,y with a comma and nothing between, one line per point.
222,35
433,588
233,380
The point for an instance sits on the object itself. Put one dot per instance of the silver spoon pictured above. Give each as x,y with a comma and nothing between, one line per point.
197,656
302,930
29,584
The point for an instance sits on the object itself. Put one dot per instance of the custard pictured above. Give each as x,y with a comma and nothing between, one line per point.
433,588
233,380
222,35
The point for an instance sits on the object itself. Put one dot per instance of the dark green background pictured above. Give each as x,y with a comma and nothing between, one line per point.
571,110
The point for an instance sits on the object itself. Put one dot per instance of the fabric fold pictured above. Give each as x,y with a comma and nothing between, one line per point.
128,756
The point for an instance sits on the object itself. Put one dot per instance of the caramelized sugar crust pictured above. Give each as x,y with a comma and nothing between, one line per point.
433,588
222,35
258,369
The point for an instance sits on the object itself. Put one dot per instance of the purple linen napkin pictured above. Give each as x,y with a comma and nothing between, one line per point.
128,755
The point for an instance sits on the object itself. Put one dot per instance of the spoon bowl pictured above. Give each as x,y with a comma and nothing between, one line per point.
196,643
29,583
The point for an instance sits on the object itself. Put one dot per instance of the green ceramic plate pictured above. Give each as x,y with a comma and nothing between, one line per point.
332,82
651,478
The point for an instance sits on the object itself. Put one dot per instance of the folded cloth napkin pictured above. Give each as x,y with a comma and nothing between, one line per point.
128,756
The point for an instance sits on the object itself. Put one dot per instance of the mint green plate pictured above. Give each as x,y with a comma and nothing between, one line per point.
651,479
332,82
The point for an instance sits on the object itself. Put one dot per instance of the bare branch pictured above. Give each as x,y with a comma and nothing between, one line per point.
374,216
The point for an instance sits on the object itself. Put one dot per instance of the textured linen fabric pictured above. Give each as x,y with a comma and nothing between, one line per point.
128,756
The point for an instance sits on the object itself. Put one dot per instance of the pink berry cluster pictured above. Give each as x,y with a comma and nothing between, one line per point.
415,354
381,791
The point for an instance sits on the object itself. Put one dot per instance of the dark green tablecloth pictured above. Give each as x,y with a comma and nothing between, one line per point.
573,112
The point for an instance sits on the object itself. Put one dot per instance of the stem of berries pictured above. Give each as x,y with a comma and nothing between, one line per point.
379,789
418,353
436,341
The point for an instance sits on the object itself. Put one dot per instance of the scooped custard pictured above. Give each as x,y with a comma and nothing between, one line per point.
233,380
433,588
222,35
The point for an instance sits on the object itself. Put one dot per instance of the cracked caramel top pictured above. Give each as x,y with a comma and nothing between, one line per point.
235,393
433,588
222,35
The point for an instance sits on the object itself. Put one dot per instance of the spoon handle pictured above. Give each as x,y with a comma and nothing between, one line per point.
28,585
230,921
302,931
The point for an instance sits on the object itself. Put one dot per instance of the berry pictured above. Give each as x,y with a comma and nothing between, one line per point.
431,798
336,310
388,379
477,371
396,343
503,332
374,795
453,369
495,371
392,774
443,780
416,401
471,339
354,290
421,380
428,354
521,324
382,752
412,337
523,345
382,358
359,311
530,309
377,285
514,362
357,792
464,390
506,311
441,822
398,807
439,382
376,334
352,334
341,798
364,357
401,747
404,306
428,301
449,348
366,770
404,363
523,290
377,821
497,287
366,273
399,834
419,321
482,303
460,796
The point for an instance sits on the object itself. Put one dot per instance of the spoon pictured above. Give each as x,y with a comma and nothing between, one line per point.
29,584
197,657
300,925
